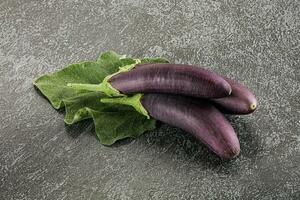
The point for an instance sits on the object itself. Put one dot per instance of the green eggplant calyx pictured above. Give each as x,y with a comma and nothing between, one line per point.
134,101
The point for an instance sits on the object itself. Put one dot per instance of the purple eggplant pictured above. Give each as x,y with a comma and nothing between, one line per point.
197,117
171,78
240,101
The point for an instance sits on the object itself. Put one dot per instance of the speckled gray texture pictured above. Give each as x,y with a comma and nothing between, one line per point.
256,42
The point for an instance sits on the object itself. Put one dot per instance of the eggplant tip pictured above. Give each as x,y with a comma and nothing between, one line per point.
236,153
253,106
233,153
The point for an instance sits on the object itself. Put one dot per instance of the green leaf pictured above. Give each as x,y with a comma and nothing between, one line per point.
112,122
154,60
78,107
54,86
111,61
113,126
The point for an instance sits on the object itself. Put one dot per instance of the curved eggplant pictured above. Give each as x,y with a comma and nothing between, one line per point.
197,117
240,101
171,78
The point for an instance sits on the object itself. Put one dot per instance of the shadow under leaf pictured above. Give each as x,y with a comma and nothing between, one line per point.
85,126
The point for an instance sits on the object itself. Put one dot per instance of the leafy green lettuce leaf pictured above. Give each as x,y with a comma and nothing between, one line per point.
112,122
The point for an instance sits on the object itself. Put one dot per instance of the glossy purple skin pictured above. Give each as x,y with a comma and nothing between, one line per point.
241,100
197,117
171,78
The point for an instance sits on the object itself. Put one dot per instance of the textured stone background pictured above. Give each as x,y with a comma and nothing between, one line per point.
256,42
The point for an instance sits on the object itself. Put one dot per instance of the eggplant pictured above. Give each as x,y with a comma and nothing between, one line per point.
241,100
197,117
171,78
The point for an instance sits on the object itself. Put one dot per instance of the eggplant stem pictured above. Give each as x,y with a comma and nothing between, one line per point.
134,101
253,106
104,87
88,87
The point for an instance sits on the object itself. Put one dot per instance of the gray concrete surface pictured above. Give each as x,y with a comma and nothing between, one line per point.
256,42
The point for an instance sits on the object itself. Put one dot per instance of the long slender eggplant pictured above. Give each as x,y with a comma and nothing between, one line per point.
197,117
171,78
240,101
